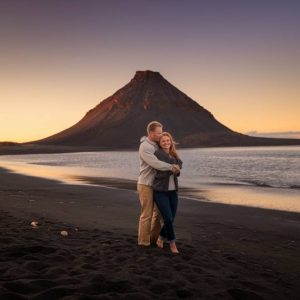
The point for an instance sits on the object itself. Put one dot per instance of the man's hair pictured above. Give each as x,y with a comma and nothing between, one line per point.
153,125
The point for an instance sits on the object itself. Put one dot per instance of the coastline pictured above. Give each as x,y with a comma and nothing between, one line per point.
27,148
282,199
227,251
11,148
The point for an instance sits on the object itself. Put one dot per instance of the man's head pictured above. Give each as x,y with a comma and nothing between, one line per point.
154,130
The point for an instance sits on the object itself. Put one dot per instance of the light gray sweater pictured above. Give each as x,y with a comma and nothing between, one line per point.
149,162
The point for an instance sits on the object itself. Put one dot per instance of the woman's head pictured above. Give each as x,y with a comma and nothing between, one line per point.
166,142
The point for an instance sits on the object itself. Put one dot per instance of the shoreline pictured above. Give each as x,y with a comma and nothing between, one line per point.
227,251
281,199
11,148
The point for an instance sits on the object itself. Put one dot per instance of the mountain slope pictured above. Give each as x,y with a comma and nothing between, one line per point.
120,120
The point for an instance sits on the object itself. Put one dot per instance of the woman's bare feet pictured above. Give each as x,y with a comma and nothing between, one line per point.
173,248
160,243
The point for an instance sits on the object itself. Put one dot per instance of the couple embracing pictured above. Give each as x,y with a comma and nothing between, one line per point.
157,187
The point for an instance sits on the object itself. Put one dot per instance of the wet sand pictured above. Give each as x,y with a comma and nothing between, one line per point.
227,252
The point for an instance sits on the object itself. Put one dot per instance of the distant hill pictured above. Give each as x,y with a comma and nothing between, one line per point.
119,121
8,144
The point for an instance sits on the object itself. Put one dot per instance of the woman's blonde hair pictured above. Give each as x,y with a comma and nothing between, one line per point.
173,151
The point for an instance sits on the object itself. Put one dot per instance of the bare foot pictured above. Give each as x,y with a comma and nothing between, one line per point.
173,248
160,243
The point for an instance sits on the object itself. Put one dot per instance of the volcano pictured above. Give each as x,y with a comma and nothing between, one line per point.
119,121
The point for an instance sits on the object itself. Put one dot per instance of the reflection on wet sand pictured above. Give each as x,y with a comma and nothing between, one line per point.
245,195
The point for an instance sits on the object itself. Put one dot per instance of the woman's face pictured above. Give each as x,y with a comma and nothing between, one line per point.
165,142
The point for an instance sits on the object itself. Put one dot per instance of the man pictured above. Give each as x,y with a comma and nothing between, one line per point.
149,222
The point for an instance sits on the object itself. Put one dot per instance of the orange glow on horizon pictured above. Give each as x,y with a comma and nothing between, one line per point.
32,114
59,61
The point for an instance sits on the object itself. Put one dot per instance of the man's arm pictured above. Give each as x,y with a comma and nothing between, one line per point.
149,157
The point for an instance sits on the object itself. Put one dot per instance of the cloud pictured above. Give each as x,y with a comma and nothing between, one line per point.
283,134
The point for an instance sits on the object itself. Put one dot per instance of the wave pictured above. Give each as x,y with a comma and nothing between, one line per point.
269,185
48,163
256,183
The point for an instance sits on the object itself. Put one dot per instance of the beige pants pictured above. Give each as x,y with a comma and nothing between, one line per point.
149,223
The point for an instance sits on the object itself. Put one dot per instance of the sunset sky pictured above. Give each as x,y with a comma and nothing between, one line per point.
239,59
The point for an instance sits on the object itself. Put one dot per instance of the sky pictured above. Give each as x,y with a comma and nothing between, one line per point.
237,58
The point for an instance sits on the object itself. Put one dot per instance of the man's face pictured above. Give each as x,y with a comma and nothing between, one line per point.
155,135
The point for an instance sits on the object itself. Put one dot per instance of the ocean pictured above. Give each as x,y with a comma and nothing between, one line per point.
267,177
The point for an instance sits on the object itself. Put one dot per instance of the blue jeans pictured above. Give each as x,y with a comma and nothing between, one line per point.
167,204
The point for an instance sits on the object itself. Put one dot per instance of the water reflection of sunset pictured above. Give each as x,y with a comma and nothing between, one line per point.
249,185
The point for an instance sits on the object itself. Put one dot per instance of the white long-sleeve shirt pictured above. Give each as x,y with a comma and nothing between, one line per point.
149,162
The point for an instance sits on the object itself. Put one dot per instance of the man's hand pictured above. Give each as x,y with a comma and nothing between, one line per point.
175,169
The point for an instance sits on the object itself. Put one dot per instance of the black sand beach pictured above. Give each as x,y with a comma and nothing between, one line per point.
227,252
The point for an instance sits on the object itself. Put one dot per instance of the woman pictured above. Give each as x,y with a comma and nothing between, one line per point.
165,188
